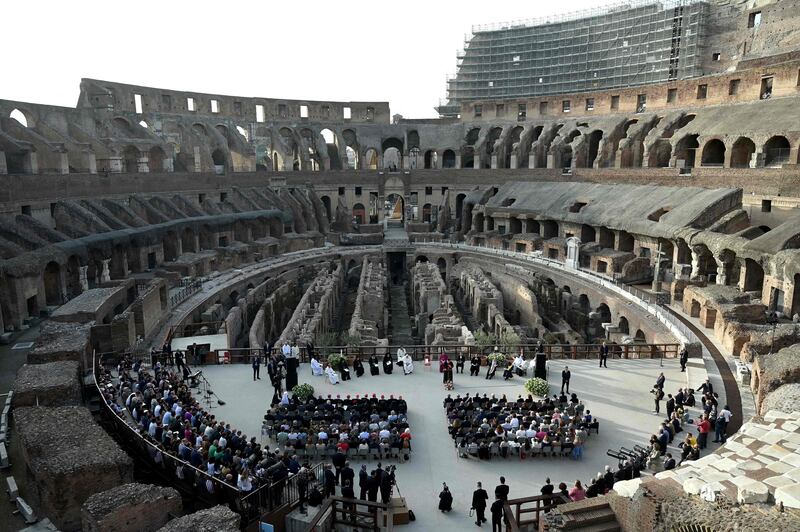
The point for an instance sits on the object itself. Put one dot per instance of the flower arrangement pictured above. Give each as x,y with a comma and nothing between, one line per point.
336,360
500,358
538,387
303,391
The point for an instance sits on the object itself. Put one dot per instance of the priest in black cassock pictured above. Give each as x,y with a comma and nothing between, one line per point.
387,363
374,366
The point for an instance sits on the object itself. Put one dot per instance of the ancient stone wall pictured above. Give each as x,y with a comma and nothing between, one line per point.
130,508
48,384
368,320
314,314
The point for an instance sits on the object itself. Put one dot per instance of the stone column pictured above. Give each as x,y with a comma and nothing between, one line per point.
695,263
458,160
722,277
3,165
106,275
513,162
494,162
84,280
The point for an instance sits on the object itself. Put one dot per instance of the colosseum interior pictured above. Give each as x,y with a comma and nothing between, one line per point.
653,211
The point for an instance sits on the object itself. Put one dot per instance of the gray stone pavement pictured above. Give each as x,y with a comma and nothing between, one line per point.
619,396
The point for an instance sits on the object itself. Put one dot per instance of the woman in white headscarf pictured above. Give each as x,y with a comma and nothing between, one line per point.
316,367
285,399
332,376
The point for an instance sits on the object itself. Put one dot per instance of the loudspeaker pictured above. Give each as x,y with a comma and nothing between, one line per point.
540,370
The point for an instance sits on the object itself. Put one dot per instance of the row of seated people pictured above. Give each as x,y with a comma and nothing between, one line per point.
600,484
163,410
486,426
360,426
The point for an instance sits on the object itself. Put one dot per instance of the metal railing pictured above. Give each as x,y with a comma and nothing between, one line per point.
185,292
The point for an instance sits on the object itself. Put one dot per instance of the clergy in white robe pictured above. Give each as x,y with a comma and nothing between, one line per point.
408,365
332,376
519,364
316,367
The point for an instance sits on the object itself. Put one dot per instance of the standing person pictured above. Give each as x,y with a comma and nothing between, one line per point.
491,369
660,381
386,480
447,376
670,405
179,360
703,428
347,475
268,349
373,486
658,395
502,489
460,360
566,374
706,387
302,488
497,514
445,499
548,487
286,350
479,498
725,414
474,365
338,460
328,482
363,483
256,366
604,355
348,493
684,358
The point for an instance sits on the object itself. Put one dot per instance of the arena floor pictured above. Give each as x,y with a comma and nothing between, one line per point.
619,396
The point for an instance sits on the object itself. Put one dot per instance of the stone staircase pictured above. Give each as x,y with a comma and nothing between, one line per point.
399,320
588,515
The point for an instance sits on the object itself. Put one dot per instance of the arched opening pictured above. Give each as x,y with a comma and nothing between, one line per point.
623,325
459,207
426,213
584,304
359,213
442,265
594,146
326,202
742,152
588,234
660,154
776,151
625,241
52,284
640,337
753,276
479,222
448,159
392,154
430,159
332,149
549,229
686,150
188,241
130,159
73,277
371,159
219,160
395,208
20,117
512,142
604,312
713,153
514,226
170,245
157,158
243,132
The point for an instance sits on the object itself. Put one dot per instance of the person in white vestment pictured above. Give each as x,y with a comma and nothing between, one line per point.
408,365
332,376
519,365
401,354
316,367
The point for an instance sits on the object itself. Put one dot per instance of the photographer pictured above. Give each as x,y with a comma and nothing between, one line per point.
658,395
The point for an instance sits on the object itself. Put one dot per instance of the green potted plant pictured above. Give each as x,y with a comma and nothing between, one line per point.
336,361
538,387
498,357
303,391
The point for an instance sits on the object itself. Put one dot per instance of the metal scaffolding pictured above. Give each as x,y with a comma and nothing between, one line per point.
634,43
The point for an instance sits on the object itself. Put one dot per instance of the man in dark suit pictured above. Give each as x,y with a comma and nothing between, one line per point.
256,367
548,487
670,405
479,498
684,358
604,355
660,381
497,515
363,483
565,376
502,489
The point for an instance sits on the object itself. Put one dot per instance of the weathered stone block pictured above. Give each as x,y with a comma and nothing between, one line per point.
50,384
752,492
130,508
216,519
68,458
62,341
